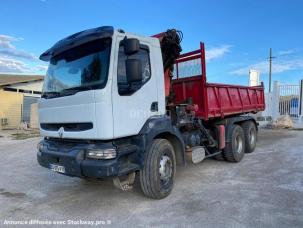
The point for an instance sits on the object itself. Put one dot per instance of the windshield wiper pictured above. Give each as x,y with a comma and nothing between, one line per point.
73,90
50,94
65,92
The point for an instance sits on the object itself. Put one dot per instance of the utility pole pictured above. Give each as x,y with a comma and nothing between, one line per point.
270,66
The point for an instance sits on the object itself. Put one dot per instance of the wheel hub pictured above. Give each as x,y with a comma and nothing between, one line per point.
239,144
252,138
165,168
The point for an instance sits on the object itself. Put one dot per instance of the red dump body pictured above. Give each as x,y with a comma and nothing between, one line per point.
213,100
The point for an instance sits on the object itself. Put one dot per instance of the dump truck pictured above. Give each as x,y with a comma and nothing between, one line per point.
129,107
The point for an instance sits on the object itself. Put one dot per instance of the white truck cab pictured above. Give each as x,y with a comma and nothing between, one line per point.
77,104
102,106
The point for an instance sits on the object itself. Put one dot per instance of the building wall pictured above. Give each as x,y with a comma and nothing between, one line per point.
11,108
34,117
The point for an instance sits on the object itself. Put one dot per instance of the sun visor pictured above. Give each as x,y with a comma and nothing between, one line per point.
76,40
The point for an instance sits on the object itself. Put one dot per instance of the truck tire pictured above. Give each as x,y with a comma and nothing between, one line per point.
235,144
158,174
250,134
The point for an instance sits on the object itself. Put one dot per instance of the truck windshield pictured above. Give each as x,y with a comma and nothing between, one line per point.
84,67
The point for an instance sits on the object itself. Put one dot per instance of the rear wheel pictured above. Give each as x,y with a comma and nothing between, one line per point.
250,134
158,174
235,146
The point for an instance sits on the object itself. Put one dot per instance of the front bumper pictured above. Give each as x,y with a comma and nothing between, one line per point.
73,157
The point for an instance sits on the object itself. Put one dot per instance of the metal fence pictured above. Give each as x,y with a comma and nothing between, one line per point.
187,69
284,99
290,100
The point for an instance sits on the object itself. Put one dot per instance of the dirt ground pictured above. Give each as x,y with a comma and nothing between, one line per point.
264,190
13,134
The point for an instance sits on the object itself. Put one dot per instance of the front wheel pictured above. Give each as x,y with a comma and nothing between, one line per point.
158,174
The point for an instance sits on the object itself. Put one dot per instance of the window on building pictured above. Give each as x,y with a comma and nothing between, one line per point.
24,91
10,89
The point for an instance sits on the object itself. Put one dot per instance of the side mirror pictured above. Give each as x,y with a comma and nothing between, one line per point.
131,46
133,70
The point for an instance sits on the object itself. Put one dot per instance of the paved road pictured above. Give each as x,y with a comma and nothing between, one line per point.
264,190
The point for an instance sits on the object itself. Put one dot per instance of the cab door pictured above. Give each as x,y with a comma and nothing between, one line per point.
132,108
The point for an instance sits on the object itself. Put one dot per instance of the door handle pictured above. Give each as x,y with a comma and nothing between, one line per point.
154,107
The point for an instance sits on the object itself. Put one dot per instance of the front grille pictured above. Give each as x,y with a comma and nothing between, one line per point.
67,126
60,146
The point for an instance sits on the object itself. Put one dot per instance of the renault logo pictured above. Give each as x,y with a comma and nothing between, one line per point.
61,131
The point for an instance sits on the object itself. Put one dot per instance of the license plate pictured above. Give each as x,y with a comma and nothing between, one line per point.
57,168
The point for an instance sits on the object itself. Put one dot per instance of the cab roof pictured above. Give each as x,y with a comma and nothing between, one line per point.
76,40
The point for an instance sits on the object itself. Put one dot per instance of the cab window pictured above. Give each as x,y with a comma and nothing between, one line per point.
143,56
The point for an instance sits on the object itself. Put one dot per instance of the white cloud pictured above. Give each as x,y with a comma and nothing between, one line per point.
8,49
6,41
11,58
277,67
8,65
18,54
286,52
217,52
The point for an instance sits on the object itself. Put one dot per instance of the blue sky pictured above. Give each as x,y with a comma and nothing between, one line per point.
237,33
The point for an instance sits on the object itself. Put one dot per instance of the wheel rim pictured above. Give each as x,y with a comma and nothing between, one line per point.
165,169
239,144
252,137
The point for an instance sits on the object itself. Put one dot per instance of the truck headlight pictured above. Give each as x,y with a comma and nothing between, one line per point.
101,153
